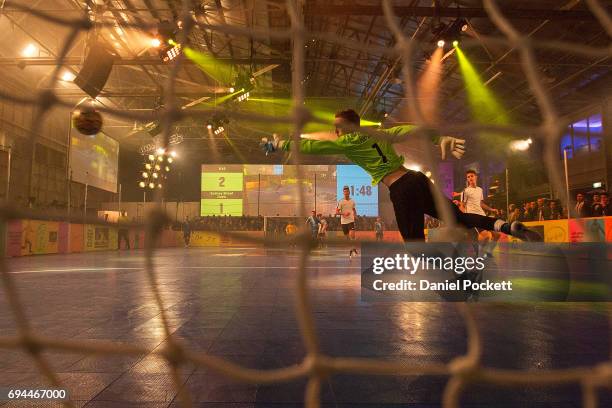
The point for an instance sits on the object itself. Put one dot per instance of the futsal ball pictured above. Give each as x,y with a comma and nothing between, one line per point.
88,121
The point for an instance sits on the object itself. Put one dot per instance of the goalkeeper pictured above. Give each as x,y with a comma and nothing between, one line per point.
410,190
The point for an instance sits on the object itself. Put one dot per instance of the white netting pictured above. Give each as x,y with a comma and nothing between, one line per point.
315,366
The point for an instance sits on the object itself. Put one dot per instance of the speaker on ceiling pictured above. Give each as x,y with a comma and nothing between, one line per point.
95,71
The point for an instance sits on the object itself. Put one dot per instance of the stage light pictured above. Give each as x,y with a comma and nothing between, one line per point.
148,166
529,141
30,50
157,167
231,90
155,42
145,174
519,145
209,126
167,168
142,184
440,43
170,160
169,54
160,158
151,157
159,185
597,184
155,175
151,185
173,153
464,27
160,150
455,43
68,76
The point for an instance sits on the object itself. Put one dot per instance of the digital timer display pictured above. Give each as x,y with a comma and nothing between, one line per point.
363,192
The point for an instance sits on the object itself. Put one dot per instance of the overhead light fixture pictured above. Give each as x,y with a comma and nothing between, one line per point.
145,174
151,186
151,157
148,166
209,126
142,184
170,160
167,168
173,153
68,76
160,150
30,50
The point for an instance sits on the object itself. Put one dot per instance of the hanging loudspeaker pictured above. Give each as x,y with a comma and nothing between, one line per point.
95,70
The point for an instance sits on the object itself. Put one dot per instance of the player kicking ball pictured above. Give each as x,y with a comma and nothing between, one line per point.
473,199
348,211
410,190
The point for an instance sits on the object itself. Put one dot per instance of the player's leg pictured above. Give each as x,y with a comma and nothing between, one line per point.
409,208
516,229
353,237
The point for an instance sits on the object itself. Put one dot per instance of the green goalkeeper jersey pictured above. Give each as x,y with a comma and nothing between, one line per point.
377,157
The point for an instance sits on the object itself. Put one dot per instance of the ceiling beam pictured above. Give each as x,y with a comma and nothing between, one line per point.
464,12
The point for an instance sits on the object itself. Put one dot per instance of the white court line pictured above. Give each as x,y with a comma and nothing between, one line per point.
179,267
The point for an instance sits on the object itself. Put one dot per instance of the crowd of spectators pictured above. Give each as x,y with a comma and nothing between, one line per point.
597,205
256,223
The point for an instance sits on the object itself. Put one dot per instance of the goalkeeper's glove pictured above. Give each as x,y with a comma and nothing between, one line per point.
455,146
270,146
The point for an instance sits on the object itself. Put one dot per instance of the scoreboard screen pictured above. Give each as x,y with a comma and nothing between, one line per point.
222,190
363,192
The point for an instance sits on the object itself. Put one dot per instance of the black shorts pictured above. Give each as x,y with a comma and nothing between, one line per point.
348,227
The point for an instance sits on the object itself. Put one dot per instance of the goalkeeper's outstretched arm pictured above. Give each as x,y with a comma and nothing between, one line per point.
307,146
447,144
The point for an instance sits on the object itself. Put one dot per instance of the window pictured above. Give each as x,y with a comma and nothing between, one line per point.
595,132
582,137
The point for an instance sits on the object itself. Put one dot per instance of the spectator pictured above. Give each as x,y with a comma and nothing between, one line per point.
313,223
378,228
542,212
596,202
602,208
554,211
186,232
581,208
123,233
515,215
322,230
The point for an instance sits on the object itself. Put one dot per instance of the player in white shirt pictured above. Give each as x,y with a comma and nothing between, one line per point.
473,200
348,211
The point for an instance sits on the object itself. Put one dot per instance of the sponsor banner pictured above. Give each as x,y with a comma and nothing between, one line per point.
100,238
63,238
201,238
556,231
13,238
76,238
39,237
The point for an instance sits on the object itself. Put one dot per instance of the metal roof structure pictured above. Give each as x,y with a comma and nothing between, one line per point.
351,71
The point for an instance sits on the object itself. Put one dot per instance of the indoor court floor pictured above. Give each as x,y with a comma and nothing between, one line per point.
237,303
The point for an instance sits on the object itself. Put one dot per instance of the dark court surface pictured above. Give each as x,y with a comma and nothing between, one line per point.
238,304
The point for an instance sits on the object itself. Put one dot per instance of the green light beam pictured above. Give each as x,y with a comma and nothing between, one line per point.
217,70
